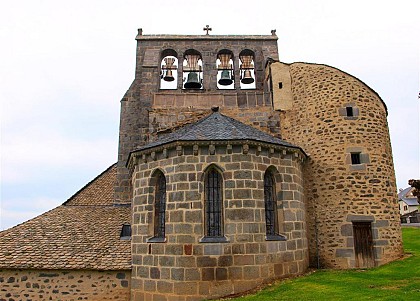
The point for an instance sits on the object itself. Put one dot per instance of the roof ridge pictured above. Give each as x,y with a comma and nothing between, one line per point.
88,184
30,220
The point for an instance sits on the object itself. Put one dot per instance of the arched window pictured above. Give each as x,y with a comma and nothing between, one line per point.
225,74
271,223
159,206
247,69
169,72
192,69
213,203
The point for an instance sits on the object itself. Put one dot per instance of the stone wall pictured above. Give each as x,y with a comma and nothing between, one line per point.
338,192
186,268
165,119
64,285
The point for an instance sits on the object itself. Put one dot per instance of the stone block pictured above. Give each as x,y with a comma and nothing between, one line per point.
347,230
381,223
192,274
344,252
154,273
240,215
186,261
213,249
224,261
221,274
166,261
178,274
150,285
251,272
207,274
206,261
241,260
186,288
188,249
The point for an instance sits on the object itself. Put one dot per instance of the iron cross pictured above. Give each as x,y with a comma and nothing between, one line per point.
207,28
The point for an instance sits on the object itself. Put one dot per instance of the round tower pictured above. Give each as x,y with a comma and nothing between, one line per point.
350,186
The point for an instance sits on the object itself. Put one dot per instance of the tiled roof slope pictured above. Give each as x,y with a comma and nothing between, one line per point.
101,193
215,127
72,236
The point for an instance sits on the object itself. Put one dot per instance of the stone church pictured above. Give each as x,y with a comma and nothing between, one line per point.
234,169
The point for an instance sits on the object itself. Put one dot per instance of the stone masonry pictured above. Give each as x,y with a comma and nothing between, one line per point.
183,267
339,193
144,92
64,285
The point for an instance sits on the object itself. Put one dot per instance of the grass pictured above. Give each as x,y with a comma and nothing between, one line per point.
399,280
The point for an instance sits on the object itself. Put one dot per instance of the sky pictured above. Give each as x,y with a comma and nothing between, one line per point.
65,65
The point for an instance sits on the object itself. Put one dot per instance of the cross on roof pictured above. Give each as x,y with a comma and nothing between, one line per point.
207,28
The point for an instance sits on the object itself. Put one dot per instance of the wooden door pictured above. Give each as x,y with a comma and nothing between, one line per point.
363,244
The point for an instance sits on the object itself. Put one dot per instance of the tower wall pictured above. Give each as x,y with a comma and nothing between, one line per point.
137,105
340,193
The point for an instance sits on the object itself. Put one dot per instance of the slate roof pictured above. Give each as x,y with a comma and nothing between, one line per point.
407,196
83,233
217,127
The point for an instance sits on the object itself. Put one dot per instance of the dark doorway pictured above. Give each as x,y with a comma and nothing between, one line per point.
363,244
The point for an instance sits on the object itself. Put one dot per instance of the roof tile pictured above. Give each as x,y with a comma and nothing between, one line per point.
83,233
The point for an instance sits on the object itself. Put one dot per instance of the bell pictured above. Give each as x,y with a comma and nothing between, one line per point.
247,79
225,79
168,76
192,81
169,66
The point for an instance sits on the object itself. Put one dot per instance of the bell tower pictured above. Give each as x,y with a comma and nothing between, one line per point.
189,73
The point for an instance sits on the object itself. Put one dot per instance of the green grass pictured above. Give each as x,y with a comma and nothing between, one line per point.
399,280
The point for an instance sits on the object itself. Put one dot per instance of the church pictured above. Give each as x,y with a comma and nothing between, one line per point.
234,169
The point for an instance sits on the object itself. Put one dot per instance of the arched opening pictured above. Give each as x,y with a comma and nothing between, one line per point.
213,199
225,70
168,70
271,224
192,70
159,205
274,218
247,70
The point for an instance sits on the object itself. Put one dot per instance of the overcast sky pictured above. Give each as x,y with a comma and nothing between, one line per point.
65,65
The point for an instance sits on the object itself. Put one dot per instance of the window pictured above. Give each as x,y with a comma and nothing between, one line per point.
349,111
160,206
355,158
169,71
192,70
213,203
225,74
247,69
125,232
271,224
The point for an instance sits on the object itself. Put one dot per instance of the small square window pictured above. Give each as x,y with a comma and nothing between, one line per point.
125,232
349,111
355,158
